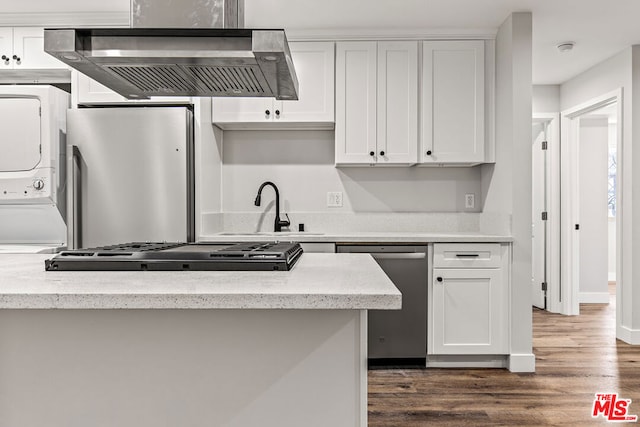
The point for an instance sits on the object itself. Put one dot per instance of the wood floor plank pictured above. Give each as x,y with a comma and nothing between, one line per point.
576,357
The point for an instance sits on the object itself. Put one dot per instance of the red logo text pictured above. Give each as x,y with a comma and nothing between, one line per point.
612,408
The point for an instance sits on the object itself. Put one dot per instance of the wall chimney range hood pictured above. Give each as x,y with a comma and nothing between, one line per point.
187,48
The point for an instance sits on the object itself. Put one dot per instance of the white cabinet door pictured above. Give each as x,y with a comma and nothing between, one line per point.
6,48
28,47
453,102
469,312
356,90
90,91
85,90
397,103
242,110
314,63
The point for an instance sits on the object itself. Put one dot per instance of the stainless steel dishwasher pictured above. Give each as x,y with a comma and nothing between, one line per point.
398,334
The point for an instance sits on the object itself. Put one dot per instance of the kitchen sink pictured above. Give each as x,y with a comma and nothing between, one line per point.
270,234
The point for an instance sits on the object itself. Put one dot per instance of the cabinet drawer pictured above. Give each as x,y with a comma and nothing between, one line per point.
467,255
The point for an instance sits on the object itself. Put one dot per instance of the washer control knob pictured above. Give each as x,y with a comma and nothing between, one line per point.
38,184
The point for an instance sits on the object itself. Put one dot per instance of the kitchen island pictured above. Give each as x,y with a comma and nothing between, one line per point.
190,348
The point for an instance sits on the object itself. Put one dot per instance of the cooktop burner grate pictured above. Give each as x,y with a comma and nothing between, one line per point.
167,256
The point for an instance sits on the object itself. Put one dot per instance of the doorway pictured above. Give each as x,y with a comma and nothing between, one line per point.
591,136
545,249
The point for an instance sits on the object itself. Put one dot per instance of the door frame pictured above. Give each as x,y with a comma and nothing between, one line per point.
569,207
552,120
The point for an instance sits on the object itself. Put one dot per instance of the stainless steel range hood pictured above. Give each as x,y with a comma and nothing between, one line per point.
180,57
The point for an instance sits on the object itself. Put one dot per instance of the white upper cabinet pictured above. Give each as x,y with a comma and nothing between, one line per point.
314,63
356,91
376,103
85,90
23,48
453,102
397,125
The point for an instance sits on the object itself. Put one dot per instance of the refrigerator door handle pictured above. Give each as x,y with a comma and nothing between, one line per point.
74,199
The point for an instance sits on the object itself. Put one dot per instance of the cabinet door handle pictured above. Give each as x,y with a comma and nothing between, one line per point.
439,279
428,152
267,113
371,153
467,255
16,58
382,153
277,113
5,58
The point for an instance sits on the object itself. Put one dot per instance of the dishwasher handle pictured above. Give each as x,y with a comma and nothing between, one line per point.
399,255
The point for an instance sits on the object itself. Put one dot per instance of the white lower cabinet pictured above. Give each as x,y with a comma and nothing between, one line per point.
469,301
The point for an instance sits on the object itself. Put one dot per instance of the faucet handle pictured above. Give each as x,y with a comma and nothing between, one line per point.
286,222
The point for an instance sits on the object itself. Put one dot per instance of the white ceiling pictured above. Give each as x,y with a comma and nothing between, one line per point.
600,28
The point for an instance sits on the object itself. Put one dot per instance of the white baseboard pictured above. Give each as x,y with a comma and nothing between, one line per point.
466,361
628,335
593,297
612,276
522,362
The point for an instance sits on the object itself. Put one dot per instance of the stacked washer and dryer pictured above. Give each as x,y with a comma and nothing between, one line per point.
32,168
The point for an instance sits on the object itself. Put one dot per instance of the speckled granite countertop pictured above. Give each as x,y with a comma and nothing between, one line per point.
361,237
317,281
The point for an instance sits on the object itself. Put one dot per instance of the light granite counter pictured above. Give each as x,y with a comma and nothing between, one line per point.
361,237
317,281
274,349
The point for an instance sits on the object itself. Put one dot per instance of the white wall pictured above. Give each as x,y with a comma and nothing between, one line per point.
593,161
60,6
208,167
301,164
507,184
546,98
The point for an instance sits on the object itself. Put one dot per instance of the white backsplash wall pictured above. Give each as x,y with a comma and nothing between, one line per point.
301,164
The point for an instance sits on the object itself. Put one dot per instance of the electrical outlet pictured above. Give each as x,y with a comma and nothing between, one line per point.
334,199
469,201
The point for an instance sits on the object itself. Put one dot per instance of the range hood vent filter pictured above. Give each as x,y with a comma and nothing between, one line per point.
215,81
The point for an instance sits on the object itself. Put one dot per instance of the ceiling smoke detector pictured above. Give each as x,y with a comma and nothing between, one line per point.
566,46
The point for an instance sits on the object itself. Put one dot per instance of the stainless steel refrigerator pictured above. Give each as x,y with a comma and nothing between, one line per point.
131,175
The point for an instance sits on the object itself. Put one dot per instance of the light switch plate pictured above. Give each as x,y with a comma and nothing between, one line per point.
334,199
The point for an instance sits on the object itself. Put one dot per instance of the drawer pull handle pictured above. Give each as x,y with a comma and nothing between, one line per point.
439,279
467,255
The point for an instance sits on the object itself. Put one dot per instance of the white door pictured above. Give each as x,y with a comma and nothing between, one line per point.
28,46
469,311
314,65
356,103
452,102
397,118
243,110
539,226
6,48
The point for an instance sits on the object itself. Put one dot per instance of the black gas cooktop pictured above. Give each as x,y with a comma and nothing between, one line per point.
249,256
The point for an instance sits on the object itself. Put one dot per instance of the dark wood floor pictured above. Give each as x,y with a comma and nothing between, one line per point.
576,357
